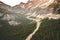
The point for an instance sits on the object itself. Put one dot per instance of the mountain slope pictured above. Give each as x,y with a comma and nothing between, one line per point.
22,21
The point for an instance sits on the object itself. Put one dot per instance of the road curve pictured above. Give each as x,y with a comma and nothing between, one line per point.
37,27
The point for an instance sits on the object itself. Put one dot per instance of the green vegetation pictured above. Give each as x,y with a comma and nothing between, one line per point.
19,32
49,30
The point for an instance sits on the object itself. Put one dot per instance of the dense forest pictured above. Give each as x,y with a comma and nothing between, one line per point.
49,30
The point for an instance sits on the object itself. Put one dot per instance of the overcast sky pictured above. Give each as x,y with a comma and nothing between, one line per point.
13,2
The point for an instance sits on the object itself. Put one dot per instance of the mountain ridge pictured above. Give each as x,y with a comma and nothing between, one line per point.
34,3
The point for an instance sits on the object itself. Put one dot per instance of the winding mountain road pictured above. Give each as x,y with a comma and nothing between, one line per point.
37,27
41,17
38,21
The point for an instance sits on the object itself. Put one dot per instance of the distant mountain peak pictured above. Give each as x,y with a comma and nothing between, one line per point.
1,2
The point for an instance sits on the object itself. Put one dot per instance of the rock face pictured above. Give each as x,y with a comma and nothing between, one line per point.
30,9
34,3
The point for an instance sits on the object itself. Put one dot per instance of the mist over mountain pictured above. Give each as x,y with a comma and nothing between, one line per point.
34,20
